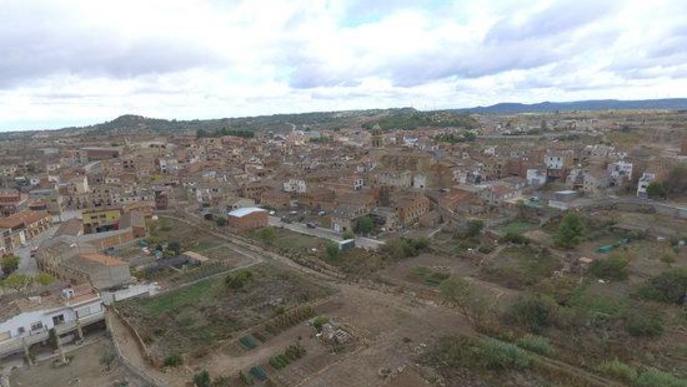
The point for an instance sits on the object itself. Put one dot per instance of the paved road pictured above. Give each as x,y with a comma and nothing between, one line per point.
27,264
324,233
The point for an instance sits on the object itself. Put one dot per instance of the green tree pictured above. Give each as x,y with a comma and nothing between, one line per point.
656,190
474,228
332,251
238,280
201,379
267,235
9,263
348,235
676,183
668,287
44,279
17,281
473,304
570,232
533,312
611,268
221,221
174,247
364,225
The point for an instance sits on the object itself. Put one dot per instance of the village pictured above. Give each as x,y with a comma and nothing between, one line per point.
349,250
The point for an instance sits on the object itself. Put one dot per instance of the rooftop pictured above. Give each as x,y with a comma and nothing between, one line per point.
241,212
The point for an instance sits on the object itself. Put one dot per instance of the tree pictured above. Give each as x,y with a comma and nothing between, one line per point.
239,280
16,281
656,190
175,247
676,183
332,251
348,235
533,312
221,221
668,287
611,268
201,379
9,263
44,279
465,296
474,228
267,235
364,225
570,232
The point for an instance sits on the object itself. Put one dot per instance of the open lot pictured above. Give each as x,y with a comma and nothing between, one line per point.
85,369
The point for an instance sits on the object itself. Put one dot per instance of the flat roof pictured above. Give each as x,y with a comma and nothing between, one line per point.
241,212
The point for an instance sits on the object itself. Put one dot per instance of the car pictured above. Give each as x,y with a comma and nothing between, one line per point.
321,213
311,225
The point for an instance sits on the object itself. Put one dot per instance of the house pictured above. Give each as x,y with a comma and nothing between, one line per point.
295,185
245,219
25,321
11,202
99,220
410,208
619,172
643,183
536,178
17,229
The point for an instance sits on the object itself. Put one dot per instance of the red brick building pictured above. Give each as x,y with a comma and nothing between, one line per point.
244,219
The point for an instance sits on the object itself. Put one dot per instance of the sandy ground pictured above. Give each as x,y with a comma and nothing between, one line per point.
84,370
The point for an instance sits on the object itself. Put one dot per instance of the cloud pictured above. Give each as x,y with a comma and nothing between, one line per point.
91,61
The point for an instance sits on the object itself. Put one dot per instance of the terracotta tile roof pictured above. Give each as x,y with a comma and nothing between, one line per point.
22,218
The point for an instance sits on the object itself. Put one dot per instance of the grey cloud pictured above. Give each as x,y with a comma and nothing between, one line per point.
37,45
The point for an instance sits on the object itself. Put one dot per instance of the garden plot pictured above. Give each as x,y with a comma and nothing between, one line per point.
196,318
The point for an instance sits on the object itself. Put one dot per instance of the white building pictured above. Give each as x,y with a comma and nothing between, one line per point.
295,185
643,183
27,321
619,172
536,178
554,162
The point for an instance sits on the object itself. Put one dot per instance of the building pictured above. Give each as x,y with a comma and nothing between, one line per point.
536,178
99,220
11,202
72,260
28,320
295,185
244,219
643,183
410,208
21,227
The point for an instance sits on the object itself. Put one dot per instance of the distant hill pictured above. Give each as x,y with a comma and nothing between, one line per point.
590,105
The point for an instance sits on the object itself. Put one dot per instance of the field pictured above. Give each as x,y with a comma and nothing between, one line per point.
194,318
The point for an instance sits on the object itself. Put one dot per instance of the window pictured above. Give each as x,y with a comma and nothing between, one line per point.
36,326
21,330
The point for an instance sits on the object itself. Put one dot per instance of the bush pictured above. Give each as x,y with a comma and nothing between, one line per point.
238,280
9,264
533,313
267,235
669,287
173,360
348,235
332,251
405,247
642,324
201,379
221,221
570,232
537,344
611,268
654,378
44,279
499,355
513,237
618,370
319,321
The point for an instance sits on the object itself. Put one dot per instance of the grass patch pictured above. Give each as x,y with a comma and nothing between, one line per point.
518,267
428,276
537,344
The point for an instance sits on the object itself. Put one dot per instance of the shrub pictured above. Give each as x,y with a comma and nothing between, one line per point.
611,268
653,378
534,313
9,264
499,355
221,221
173,360
267,235
238,280
107,359
669,287
571,231
618,370
537,344
201,379
639,323
44,279
348,235
319,321
513,237
332,251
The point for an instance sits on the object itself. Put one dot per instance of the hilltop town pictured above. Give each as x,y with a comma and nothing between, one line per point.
383,247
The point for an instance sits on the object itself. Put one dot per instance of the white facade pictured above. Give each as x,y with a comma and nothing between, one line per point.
554,162
295,185
643,183
619,171
536,178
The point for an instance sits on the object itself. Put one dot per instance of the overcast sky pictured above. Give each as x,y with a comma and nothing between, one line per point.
76,62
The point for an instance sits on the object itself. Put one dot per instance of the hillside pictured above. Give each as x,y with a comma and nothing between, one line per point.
589,105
